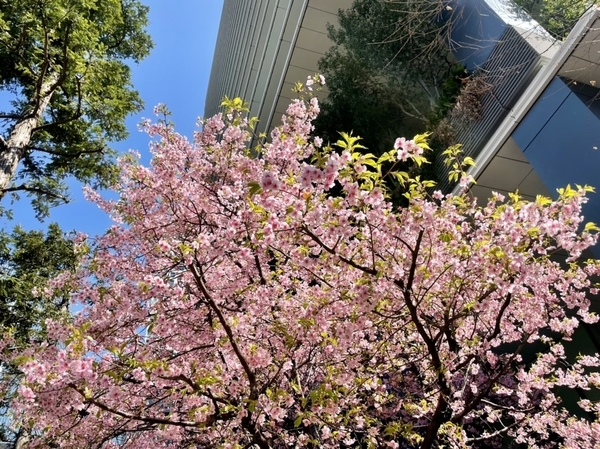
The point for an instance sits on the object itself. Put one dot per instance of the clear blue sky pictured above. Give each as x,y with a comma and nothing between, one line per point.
176,73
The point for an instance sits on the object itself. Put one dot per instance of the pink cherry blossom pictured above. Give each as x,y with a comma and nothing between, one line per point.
215,314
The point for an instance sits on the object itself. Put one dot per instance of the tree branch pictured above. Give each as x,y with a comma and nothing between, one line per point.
260,273
38,190
249,373
65,62
123,36
442,405
491,382
78,114
350,262
498,323
403,109
11,116
45,65
152,420
73,155
497,433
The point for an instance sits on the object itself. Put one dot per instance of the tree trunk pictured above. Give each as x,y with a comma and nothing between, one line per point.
22,439
15,147
437,420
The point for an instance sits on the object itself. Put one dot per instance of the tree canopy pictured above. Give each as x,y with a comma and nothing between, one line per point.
65,64
557,16
386,72
28,261
239,303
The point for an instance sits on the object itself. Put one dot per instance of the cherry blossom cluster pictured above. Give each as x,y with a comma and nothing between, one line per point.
311,80
240,301
407,148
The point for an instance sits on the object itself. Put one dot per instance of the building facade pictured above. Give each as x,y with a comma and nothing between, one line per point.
539,126
548,135
264,47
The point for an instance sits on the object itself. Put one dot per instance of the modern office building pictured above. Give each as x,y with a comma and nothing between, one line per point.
504,48
545,116
263,48
539,126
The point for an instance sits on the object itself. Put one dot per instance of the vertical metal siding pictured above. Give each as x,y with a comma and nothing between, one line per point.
508,70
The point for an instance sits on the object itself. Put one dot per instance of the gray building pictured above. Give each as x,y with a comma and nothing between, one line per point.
539,126
263,48
543,120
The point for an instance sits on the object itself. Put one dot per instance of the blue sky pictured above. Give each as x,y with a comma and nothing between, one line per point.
176,73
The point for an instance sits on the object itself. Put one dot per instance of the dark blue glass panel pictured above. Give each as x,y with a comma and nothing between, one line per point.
475,31
566,151
543,109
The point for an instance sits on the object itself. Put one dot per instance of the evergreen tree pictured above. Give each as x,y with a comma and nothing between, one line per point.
386,71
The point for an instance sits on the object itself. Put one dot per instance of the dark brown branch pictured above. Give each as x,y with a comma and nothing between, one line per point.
145,419
73,155
496,433
77,116
491,383
350,262
503,308
12,116
260,273
197,389
441,408
249,373
38,190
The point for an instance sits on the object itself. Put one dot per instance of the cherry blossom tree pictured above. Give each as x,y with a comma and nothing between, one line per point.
237,302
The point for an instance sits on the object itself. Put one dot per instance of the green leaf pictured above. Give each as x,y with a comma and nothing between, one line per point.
254,188
384,158
298,421
591,226
370,163
542,200
468,161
